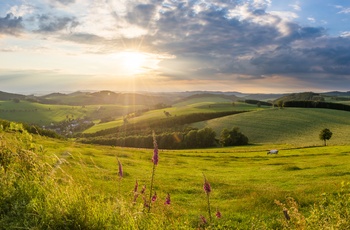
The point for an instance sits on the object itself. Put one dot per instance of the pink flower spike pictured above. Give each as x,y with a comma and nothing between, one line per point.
143,189
154,197
218,214
167,199
136,186
206,185
120,169
155,151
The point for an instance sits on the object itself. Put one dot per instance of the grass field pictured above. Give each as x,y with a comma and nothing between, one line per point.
245,181
44,114
198,105
81,188
295,126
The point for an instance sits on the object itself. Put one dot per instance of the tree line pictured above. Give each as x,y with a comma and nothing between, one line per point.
317,104
33,129
194,138
159,125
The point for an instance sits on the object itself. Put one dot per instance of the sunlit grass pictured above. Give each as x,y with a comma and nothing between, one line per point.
296,126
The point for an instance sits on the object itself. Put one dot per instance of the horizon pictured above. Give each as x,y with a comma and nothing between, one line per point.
44,93
258,46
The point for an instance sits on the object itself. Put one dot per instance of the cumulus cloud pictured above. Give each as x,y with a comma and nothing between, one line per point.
49,24
11,25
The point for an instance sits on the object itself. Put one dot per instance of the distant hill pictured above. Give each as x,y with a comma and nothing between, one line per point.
9,96
104,97
305,96
209,95
337,94
264,97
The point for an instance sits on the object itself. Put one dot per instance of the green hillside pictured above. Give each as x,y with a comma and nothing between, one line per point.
297,126
44,114
56,184
196,105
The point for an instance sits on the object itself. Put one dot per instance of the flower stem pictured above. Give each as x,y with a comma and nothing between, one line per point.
209,211
150,192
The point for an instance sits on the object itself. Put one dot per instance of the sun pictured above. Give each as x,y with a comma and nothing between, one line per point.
132,62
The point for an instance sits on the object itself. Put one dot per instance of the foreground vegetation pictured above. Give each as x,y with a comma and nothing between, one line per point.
56,184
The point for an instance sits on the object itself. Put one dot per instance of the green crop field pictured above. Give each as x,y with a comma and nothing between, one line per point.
295,126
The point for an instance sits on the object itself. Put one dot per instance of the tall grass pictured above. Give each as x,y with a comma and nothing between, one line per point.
40,191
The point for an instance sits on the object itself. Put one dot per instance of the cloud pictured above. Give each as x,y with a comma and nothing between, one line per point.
333,60
49,24
64,2
344,10
296,6
217,40
11,25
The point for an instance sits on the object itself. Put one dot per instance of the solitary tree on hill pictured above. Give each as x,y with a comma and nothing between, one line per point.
325,135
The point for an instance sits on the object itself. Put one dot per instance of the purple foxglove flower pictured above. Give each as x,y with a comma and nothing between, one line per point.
155,151
167,199
136,187
206,185
154,197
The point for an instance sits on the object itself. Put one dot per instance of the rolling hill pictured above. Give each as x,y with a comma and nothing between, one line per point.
296,126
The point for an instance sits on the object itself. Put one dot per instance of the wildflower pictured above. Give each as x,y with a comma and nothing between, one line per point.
136,186
120,169
136,194
145,203
206,185
218,214
207,190
167,199
204,221
154,197
143,189
155,151
155,163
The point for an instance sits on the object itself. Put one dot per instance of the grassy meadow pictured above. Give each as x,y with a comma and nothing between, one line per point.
197,105
295,126
62,184
76,186
44,114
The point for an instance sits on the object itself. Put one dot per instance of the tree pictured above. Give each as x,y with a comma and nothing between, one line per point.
325,135
233,137
202,138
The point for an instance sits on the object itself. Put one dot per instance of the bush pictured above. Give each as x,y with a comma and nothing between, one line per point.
233,137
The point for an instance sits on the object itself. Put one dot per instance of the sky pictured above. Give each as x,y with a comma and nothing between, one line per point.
250,46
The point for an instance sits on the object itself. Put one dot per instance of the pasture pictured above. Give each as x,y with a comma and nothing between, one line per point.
197,105
245,180
72,185
294,126
44,114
